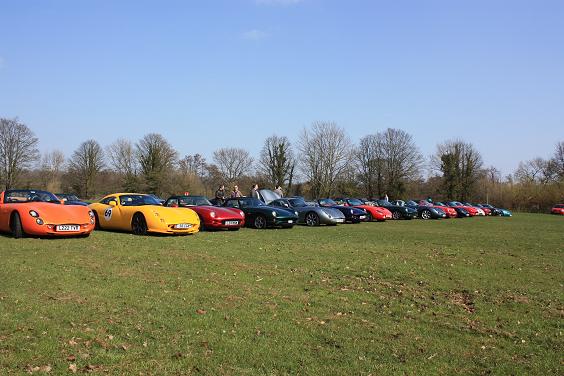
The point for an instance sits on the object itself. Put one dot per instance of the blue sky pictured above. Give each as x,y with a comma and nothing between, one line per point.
208,74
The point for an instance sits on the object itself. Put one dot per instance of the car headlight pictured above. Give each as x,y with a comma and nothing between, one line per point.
242,213
39,221
295,212
91,213
352,211
273,213
33,213
212,214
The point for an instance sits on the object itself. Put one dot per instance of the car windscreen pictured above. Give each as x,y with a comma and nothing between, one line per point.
355,202
410,203
250,202
327,202
297,202
194,201
138,200
17,196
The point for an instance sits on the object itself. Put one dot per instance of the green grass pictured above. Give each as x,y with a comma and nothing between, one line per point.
470,296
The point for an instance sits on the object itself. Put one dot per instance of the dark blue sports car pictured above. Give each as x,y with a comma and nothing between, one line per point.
352,215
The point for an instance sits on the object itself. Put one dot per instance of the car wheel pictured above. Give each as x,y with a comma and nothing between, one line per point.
17,228
426,214
369,217
96,221
396,215
202,224
260,222
138,224
312,219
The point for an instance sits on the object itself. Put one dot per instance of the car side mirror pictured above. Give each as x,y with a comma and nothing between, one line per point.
112,203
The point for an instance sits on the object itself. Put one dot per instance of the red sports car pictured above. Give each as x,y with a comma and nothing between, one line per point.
40,213
470,209
557,209
450,212
211,217
375,213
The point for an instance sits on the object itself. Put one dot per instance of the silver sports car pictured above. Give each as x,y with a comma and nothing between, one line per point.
308,214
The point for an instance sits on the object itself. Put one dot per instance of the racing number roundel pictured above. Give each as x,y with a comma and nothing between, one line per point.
108,214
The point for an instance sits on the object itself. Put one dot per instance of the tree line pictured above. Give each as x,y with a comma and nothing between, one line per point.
324,162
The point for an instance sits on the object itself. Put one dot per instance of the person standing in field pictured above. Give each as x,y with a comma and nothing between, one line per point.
278,191
254,191
236,192
220,195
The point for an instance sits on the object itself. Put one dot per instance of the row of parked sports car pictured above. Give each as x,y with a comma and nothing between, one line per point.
41,213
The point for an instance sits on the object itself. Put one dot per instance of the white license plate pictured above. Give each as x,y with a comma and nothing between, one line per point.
231,223
362,217
182,226
66,228
340,220
290,221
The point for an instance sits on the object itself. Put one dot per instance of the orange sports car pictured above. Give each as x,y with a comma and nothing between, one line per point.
40,213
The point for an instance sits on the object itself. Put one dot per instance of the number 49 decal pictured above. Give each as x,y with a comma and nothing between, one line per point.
108,214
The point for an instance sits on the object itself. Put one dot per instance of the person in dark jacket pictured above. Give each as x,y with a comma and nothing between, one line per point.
220,195
254,191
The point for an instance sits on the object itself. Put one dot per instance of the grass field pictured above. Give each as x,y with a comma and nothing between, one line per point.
470,296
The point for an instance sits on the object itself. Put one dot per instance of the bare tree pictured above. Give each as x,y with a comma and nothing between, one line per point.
51,169
18,150
325,152
370,164
277,162
558,160
193,164
536,170
460,164
156,158
402,160
123,160
232,163
85,164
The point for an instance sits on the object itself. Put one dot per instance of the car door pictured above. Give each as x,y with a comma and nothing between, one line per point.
107,212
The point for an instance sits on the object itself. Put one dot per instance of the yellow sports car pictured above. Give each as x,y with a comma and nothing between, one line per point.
140,214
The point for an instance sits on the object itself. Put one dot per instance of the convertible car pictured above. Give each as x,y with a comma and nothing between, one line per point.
352,215
472,211
260,216
142,214
557,209
496,211
70,199
41,213
211,217
398,212
460,211
373,213
486,211
450,212
308,214
423,211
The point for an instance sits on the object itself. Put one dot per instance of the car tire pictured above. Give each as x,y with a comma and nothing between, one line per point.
259,222
138,224
16,226
369,217
426,214
396,215
202,224
312,219
96,221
